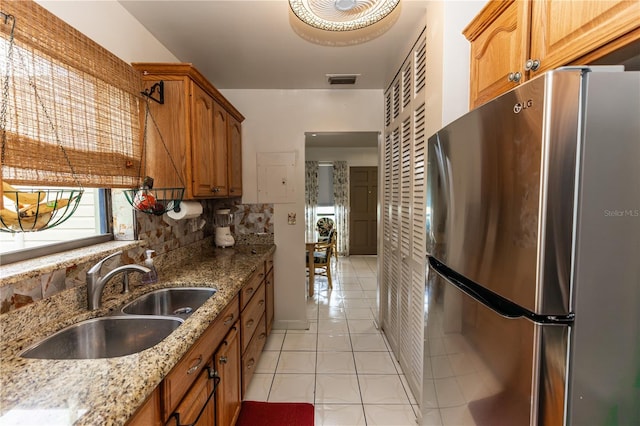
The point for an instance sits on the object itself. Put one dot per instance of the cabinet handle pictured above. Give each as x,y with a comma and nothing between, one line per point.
251,363
261,303
250,323
223,360
228,320
514,77
262,336
195,367
532,65
249,291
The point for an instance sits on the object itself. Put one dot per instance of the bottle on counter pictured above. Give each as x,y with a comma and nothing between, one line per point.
151,276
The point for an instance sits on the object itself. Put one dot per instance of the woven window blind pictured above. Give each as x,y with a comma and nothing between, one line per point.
85,99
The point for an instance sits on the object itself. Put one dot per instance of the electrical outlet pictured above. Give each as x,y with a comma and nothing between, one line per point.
292,218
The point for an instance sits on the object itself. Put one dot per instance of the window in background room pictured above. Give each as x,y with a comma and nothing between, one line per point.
326,206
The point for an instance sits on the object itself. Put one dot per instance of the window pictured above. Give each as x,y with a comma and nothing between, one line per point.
90,220
70,118
325,185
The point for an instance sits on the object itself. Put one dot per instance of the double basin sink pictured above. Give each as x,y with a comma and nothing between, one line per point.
139,325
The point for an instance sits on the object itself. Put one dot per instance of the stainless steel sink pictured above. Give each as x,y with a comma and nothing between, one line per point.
176,301
104,337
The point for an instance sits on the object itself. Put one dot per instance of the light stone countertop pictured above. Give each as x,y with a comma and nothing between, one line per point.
108,391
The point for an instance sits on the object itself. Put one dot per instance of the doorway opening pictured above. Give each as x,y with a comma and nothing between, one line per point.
329,158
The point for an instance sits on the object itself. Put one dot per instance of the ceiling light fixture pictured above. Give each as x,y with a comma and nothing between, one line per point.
341,15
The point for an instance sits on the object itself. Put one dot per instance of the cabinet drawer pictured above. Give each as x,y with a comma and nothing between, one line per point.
251,316
252,355
251,286
228,316
180,379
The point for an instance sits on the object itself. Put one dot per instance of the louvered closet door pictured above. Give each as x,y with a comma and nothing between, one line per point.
404,216
384,254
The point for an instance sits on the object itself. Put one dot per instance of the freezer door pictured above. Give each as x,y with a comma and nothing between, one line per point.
484,369
500,193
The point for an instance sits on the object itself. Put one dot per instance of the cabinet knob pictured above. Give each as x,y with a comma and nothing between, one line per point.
532,65
223,360
514,77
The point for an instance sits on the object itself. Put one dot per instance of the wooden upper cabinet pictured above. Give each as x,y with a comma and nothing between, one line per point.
563,31
235,157
201,130
514,40
498,49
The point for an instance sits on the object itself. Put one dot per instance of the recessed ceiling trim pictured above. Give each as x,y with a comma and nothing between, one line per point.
341,15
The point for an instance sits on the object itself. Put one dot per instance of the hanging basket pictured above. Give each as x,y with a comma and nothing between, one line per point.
31,210
155,201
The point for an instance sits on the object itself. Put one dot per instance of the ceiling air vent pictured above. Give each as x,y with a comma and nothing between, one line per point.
342,78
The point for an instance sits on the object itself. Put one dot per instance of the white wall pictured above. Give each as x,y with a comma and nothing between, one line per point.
110,25
276,121
448,54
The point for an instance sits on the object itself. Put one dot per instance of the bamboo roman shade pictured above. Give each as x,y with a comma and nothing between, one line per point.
63,89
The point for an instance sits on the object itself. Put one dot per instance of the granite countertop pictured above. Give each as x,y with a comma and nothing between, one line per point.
108,391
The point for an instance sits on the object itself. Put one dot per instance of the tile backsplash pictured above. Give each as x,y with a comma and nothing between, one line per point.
252,224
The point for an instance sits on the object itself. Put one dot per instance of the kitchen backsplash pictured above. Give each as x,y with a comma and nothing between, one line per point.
252,224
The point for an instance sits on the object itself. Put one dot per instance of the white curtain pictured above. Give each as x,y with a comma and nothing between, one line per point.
310,195
341,202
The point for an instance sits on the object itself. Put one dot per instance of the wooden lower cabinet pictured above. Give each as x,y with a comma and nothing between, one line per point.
224,358
227,363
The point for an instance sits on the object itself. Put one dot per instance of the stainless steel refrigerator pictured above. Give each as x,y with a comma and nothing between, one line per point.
533,288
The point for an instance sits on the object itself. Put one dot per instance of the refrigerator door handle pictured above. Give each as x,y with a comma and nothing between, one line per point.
493,301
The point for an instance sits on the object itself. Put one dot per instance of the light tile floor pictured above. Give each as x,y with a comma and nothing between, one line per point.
342,364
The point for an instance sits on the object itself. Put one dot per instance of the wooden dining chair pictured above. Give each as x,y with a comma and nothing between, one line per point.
322,260
333,239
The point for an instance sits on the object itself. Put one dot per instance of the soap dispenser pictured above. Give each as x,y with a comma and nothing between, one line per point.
151,276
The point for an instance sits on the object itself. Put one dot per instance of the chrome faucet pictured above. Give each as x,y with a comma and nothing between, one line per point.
95,283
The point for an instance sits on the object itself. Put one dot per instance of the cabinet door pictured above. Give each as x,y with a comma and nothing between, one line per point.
563,31
197,406
235,157
202,139
227,364
499,47
170,135
220,123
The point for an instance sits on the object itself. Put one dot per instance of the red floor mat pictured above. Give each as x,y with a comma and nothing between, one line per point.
255,413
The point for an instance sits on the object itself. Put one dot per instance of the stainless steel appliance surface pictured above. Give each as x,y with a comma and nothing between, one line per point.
532,296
